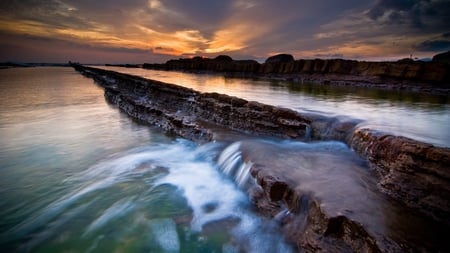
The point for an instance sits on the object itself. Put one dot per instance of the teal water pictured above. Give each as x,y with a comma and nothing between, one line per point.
76,175
423,117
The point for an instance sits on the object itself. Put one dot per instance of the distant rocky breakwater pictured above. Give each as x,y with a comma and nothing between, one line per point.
414,173
407,74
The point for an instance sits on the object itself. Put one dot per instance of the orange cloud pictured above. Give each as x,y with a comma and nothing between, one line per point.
176,43
229,39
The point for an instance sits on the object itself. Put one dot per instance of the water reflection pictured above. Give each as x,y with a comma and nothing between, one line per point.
77,175
343,93
418,116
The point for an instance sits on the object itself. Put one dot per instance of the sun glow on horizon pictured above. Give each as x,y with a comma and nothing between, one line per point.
162,29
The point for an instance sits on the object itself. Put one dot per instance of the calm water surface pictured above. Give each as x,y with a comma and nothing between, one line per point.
78,176
421,117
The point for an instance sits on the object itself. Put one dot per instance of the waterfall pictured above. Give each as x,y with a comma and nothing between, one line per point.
231,163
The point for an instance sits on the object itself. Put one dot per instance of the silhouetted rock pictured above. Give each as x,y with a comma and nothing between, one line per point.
442,57
406,60
125,65
224,58
418,76
280,58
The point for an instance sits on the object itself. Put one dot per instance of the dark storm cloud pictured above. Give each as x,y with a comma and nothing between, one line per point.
115,13
383,6
419,14
434,45
437,44
296,22
52,13
202,11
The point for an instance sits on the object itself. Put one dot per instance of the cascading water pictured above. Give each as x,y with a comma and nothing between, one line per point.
231,163
99,182
172,198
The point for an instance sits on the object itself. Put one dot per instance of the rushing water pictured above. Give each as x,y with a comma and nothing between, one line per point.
79,176
76,175
418,116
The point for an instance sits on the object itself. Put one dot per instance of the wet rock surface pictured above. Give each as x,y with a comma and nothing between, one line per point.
182,110
362,218
327,200
417,173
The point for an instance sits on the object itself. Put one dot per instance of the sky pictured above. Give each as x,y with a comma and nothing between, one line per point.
154,31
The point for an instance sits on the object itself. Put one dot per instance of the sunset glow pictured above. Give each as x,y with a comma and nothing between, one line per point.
155,31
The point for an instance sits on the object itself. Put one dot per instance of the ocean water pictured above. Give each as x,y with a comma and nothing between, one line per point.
418,116
76,175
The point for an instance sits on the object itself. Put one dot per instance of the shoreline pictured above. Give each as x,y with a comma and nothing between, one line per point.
408,170
414,76
386,84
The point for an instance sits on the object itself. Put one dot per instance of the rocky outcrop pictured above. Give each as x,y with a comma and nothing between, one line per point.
307,222
199,64
280,58
442,57
411,172
223,58
325,199
432,77
183,111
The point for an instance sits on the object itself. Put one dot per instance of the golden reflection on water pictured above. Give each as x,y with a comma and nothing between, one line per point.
60,110
419,116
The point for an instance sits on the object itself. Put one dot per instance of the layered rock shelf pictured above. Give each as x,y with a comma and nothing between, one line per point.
430,77
412,173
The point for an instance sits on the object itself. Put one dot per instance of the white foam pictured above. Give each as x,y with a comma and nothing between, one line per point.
203,184
229,158
211,195
243,173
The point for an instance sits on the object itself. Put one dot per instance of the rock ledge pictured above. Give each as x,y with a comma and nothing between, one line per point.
413,173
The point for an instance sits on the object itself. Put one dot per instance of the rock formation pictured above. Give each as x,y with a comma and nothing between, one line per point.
280,58
333,205
442,57
413,173
433,77
223,58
